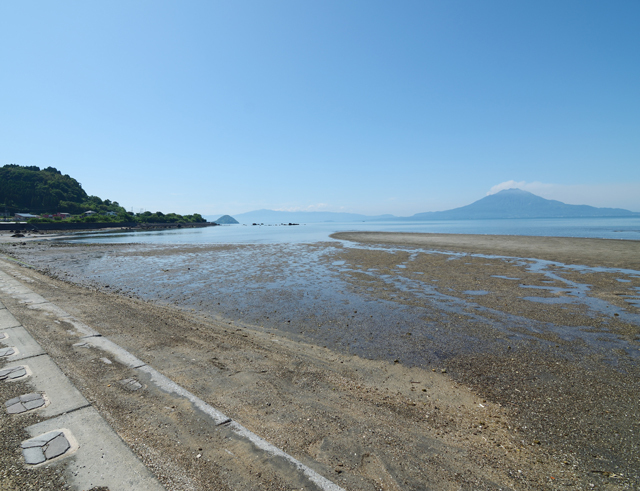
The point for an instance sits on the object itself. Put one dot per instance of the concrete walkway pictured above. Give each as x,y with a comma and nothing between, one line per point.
73,431
74,428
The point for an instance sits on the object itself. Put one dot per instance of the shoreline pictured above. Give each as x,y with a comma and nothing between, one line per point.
44,235
350,418
542,385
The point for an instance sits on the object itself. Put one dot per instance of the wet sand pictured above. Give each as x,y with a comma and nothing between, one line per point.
567,250
442,370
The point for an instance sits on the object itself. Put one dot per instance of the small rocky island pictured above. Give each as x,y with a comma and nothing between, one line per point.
226,220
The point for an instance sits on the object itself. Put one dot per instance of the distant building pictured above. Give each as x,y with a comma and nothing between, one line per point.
111,213
89,213
62,215
24,216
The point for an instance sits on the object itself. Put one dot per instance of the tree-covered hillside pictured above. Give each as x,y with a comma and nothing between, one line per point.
32,190
29,189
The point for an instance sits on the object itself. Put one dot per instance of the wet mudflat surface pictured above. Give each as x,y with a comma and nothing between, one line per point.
557,343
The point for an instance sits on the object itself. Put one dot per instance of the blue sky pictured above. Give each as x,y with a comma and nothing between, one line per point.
360,106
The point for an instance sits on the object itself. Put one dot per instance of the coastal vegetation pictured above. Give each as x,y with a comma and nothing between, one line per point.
59,197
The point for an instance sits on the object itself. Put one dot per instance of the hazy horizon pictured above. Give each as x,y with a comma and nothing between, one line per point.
301,213
360,107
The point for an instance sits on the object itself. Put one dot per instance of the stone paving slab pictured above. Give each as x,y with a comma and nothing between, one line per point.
14,373
8,351
24,403
46,377
7,320
102,458
48,446
18,337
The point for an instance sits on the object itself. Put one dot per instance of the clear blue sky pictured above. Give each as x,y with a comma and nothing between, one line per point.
361,106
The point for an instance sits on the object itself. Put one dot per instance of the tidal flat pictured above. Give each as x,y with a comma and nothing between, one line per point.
438,361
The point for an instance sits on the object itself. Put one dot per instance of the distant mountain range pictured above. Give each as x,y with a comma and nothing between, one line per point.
509,203
516,203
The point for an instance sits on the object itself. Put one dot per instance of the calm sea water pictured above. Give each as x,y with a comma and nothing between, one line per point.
606,228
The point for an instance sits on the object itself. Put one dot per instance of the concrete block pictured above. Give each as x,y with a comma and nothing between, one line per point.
102,458
7,320
18,337
46,377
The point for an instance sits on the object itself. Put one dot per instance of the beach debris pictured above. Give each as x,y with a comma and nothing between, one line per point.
25,403
106,360
12,373
45,447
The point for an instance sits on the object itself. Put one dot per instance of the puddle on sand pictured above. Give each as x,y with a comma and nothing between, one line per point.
549,301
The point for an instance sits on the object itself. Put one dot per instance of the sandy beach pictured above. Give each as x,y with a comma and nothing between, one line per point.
385,361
